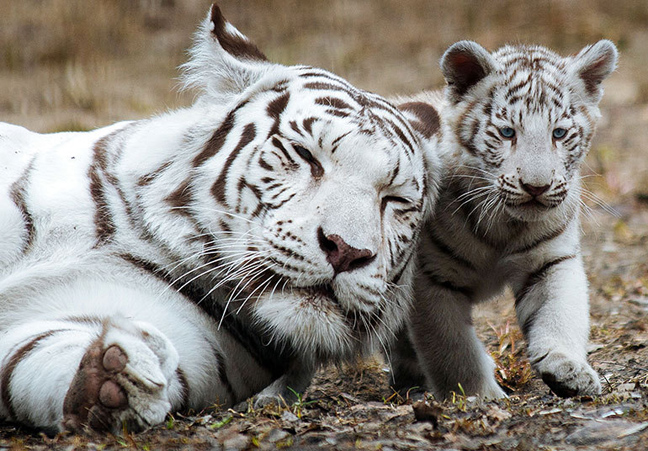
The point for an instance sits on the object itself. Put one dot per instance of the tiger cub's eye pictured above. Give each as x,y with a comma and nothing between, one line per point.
559,133
507,132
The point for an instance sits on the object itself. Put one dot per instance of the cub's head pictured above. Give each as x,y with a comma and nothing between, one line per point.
308,194
524,117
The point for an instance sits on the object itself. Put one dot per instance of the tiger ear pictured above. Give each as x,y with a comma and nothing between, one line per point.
464,65
223,62
594,64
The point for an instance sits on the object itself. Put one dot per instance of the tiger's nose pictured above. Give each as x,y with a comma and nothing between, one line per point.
535,190
342,256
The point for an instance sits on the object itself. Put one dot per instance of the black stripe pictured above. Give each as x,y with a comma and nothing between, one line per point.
333,102
222,374
17,193
537,276
218,188
446,249
436,280
308,124
9,368
184,388
104,226
279,145
274,110
543,239
217,140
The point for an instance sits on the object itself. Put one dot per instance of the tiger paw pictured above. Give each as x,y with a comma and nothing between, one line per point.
120,382
568,377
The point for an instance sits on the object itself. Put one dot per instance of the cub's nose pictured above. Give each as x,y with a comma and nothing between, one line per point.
342,256
535,190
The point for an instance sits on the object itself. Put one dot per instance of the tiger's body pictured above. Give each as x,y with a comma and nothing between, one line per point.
208,254
516,126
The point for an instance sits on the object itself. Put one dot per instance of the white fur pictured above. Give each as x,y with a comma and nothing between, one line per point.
168,240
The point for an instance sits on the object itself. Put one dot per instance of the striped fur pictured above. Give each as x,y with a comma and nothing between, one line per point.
516,126
208,254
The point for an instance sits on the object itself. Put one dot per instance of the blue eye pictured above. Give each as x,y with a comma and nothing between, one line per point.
559,133
507,132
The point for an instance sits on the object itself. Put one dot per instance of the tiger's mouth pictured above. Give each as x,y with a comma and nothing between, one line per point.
317,294
534,204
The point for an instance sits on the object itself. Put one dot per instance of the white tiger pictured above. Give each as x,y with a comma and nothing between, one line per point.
208,254
515,127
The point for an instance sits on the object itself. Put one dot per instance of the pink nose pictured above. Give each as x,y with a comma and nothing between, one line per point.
535,190
342,256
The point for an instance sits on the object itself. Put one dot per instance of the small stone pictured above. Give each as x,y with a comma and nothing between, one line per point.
236,443
277,435
289,417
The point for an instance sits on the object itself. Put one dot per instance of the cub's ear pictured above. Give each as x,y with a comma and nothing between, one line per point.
223,62
423,117
463,65
592,65
426,122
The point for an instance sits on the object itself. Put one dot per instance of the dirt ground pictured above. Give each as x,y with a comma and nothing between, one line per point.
70,64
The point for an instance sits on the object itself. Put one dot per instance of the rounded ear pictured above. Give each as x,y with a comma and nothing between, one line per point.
223,62
593,64
463,65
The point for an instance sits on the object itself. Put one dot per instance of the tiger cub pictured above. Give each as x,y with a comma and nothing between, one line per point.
516,125
208,254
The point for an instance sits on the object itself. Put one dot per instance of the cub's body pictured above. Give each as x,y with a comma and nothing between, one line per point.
515,128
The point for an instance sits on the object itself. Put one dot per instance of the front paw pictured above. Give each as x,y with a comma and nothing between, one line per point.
121,380
568,377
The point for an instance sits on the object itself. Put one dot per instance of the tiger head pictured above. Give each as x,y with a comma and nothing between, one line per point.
308,194
523,118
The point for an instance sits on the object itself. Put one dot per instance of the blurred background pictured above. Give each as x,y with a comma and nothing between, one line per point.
79,64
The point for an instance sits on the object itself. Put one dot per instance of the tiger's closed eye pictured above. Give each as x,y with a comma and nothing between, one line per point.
316,168
394,199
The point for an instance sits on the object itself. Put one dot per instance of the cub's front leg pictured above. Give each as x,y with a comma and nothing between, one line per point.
449,352
553,312
287,387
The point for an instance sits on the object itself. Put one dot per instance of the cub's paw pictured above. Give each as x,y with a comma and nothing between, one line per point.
492,391
121,381
567,377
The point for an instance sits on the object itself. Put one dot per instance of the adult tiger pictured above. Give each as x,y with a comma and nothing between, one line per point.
208,254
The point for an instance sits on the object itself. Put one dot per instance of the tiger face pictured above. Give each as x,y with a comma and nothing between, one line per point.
526,117
309,197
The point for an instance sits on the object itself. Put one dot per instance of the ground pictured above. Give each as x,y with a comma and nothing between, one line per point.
76,65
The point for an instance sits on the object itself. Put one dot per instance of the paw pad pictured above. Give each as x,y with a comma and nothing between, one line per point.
114,359
94,398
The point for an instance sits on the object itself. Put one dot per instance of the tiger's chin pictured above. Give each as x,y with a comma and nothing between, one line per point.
312,320
532,210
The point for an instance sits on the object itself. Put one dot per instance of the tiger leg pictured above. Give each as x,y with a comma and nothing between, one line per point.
407,376
127,376
553,312
452,358
66,374
286,388
125,356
